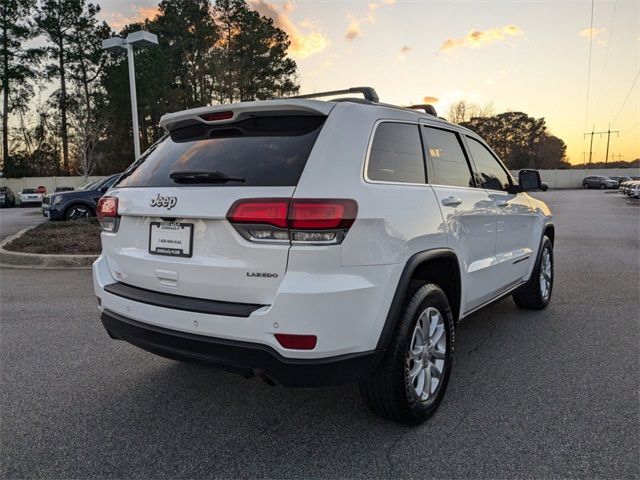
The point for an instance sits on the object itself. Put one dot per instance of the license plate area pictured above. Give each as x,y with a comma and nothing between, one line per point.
174,239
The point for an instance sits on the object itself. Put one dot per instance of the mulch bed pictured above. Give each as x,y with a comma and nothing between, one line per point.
80,237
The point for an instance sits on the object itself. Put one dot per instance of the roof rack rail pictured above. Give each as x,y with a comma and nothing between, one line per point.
367,92
428,108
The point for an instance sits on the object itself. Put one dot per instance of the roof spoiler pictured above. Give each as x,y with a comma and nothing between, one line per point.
367,92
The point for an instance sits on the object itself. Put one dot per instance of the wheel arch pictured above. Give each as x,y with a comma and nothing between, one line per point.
434,265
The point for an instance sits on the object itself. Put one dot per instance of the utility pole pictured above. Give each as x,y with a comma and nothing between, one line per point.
609,132
591,143
592,133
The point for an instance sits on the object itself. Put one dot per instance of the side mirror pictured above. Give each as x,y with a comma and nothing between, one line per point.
529,180
104,189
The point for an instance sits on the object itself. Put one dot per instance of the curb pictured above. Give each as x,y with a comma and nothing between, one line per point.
13,259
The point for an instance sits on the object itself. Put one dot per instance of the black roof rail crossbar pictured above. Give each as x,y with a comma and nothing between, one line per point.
430,109
367,92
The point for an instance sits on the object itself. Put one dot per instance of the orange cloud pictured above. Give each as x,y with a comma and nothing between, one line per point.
117,20
354,30
590,32
478,38
302,44
430,100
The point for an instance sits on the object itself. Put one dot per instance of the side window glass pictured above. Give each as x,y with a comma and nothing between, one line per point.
491,174
448,161
396,154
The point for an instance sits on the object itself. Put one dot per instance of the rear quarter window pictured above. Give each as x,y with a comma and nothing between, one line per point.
263,151
396,154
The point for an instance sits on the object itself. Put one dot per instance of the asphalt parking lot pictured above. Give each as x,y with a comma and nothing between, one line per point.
533,394
12,220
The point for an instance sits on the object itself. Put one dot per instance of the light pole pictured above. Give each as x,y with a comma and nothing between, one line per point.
116,44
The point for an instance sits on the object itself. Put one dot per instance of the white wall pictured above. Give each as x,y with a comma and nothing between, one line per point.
17,184
555,179
573,178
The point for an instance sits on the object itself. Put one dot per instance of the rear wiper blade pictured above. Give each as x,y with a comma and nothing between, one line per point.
202,176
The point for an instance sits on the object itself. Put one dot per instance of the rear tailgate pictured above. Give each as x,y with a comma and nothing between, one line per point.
263,152
222,266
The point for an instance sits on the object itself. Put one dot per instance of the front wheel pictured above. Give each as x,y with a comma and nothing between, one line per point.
411,381
536,293
585,185
603,186
78,212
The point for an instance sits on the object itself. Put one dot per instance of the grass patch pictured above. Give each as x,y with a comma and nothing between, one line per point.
80,237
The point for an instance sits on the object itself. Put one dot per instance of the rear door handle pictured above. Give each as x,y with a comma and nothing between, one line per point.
502,203
451,201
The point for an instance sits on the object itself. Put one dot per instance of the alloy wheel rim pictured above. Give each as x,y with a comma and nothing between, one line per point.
545,274
78,212
425,359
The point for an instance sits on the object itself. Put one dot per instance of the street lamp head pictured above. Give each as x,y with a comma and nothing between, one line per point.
114,44
142,39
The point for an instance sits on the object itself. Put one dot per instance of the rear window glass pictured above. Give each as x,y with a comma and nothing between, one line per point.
261,151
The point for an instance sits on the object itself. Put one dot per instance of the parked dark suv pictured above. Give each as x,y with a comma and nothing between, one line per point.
77,204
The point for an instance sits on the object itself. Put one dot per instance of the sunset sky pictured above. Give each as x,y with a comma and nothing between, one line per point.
524,56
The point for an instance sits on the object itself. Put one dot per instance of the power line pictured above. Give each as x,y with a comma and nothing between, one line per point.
586,112
626,98
606,55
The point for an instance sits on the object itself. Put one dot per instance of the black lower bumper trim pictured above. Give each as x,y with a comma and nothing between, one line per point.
179,302
241,356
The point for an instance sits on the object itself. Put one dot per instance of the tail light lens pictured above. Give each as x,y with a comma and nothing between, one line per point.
107,213
282,220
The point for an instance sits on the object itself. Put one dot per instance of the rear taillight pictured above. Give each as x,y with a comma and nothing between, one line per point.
107,213
283,220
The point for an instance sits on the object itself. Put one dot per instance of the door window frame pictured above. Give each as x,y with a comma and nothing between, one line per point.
365,172
512,181
463,147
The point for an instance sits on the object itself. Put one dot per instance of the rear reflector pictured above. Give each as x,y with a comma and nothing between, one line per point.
211,117
297,342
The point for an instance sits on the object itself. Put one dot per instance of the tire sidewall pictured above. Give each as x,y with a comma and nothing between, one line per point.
546,245
427,296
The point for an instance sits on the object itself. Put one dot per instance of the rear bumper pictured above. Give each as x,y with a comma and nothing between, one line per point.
242,357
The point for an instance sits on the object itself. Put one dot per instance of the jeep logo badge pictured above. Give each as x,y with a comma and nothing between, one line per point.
164,201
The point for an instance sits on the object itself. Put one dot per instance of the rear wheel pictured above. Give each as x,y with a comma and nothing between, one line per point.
536,293
78,212
585,185
411,381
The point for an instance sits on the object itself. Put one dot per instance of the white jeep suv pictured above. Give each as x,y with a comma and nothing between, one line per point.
317,243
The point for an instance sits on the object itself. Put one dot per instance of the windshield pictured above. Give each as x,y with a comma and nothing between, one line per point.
90,185
29,190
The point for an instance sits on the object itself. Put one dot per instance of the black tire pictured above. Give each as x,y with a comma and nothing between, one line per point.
388,392
73,212
530,296
585,185
603,186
